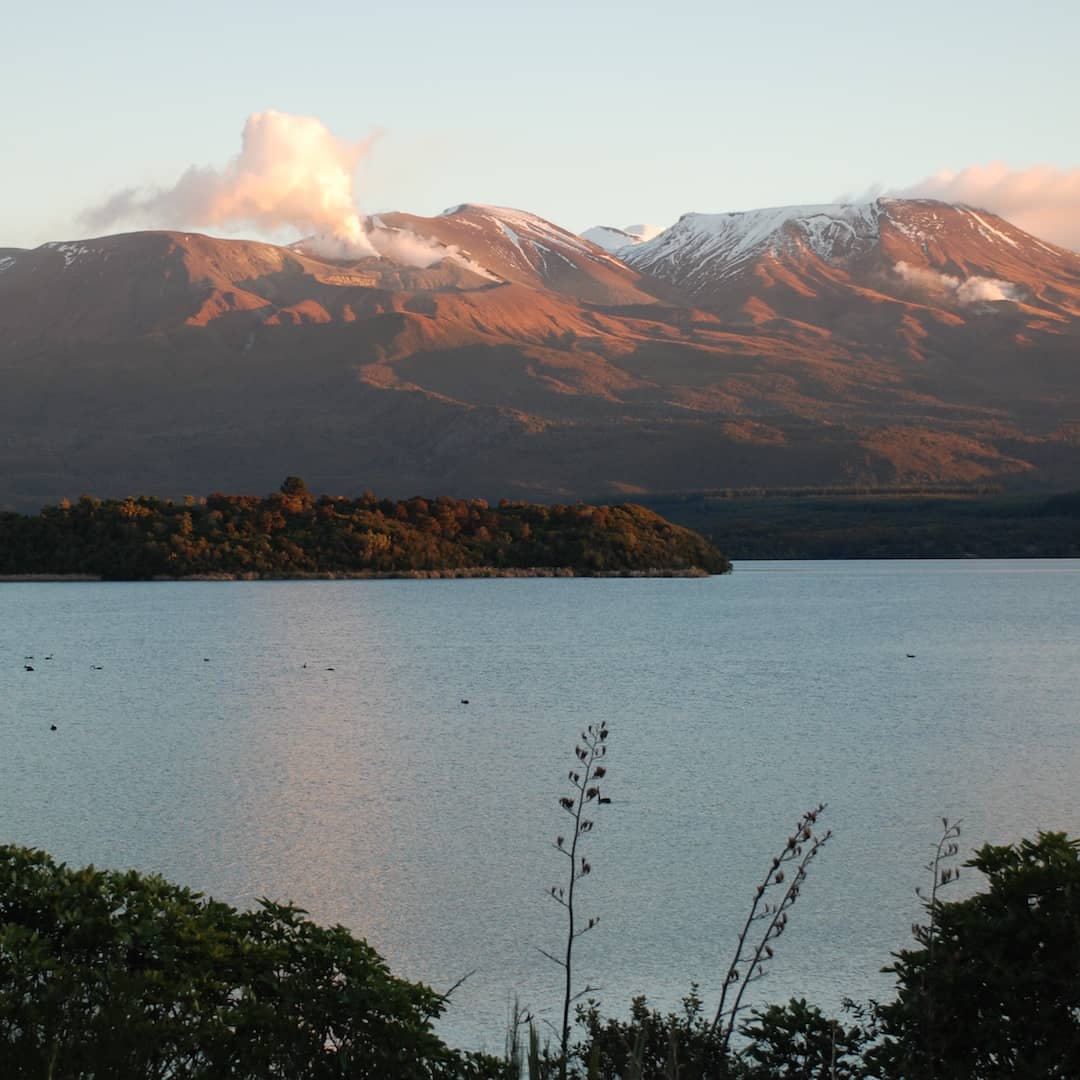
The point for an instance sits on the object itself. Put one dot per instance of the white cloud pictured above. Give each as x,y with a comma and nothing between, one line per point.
970,290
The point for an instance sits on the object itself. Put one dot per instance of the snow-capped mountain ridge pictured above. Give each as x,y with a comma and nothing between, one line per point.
882,245
722,244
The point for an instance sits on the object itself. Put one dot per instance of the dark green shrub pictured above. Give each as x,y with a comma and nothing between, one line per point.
797,1041
652,1046
106,974
994,989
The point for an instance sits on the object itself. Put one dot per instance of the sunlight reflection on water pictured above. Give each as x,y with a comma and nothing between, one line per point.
370,795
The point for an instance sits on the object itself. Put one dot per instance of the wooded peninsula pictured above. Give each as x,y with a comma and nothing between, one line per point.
294,534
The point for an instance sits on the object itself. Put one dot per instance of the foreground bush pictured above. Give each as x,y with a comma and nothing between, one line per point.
124,975
994,989
121,975
991,992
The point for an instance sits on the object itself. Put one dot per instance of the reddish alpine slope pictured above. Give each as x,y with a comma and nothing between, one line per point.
892,342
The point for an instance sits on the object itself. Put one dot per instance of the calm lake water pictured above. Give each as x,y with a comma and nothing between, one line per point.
205,750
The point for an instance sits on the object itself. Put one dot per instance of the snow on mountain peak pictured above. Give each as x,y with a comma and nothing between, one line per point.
532,236
729,241
613,240
962,254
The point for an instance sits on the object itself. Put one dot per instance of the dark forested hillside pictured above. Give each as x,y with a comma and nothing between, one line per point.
884,524
292,533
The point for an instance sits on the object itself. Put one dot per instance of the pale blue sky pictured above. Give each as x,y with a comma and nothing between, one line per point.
586,113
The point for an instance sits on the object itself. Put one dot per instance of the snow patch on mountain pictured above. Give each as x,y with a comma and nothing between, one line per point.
72,251
522,222
537,243
513,238
987,230
526,226
1058,253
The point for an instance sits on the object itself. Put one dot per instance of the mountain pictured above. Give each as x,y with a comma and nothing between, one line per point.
514,246
614,240
963,314
898,248
490,352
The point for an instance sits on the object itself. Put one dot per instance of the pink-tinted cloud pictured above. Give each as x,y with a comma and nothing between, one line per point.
1043,200
291,171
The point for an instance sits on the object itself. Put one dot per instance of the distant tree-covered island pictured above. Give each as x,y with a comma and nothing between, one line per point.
294,534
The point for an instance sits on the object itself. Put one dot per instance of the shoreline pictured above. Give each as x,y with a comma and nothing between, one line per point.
468,572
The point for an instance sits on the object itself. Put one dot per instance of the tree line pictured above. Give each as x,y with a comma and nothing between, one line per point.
293,533
800,525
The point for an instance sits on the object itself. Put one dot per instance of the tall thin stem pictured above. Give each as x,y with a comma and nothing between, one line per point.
801,847
947,848
585,779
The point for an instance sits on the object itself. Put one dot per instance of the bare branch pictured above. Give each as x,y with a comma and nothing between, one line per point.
467,975
801,848
583,781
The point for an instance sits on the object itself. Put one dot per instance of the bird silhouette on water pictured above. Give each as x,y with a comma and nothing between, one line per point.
27,667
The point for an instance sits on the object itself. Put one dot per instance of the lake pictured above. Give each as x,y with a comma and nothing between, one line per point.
217,747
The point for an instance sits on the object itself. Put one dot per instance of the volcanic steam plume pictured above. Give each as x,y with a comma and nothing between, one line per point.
292,171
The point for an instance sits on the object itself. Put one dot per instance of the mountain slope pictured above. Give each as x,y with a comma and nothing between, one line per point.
904,249
895,342
957,300
527,250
